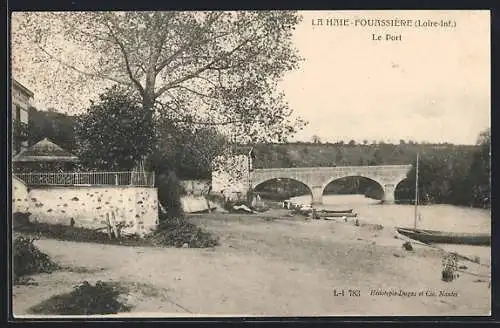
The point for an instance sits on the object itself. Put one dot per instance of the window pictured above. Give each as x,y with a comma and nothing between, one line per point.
18,113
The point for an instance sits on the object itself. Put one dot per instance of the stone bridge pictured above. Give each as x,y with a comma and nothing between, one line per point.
317,178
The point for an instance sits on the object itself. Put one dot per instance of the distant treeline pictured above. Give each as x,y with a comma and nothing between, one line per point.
452,174
344,154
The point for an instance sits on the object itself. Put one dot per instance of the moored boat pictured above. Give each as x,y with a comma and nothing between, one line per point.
338,215
444,237
319,213
335,211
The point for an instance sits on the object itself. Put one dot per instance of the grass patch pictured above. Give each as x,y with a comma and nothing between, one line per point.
77,234
170,233
85,299
28,259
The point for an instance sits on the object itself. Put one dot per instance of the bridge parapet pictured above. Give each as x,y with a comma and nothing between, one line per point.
339,170
367,167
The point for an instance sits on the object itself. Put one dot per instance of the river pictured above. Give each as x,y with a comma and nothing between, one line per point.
434,217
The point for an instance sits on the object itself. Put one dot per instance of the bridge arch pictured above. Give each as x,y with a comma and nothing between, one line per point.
372,178
283,179
258,182
404,191
380,191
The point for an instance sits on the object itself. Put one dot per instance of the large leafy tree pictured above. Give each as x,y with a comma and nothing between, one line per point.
213,68
186,150
114,134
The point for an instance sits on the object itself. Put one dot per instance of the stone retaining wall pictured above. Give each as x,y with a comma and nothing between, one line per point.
135,207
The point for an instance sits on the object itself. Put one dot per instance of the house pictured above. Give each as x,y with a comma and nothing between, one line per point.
21,102
44,156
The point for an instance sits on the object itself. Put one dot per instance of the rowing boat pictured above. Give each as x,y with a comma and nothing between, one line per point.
444,237
322,214
335,218
335,211
338,215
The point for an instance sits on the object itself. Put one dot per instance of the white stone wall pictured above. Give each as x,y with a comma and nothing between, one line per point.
230,176
192,204
136,207
20,196
195,187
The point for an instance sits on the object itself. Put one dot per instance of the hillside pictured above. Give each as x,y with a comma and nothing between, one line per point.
58,127
316,154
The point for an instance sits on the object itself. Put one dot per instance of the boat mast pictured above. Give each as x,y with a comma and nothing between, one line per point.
416,194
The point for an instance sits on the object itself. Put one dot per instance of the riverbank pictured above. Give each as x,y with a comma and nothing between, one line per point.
434,217
272,264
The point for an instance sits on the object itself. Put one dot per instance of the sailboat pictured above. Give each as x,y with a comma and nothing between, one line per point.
441,237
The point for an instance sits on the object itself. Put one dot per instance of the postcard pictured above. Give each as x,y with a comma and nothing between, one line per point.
251,164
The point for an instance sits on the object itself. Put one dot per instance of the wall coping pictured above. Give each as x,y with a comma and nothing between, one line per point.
88,186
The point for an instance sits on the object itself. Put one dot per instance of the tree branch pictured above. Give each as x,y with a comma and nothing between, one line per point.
187,45
208,123
162,105
93,35
194,91
76,69
127,64
201,69
207,80
161,40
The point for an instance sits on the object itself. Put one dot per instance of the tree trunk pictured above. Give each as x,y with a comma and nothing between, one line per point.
148,102
148,106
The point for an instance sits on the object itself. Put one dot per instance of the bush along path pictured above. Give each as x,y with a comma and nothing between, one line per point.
85,299
28,260
178,232
171,232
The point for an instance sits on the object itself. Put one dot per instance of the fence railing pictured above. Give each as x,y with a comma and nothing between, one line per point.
129,178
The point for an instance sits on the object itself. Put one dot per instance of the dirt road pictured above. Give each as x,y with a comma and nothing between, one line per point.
268,267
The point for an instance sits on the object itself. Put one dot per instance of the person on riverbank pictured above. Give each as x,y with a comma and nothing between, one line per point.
314,214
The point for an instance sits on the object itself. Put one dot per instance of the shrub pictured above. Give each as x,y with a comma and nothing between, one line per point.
450,266
85,299
28,259
20,219
171,232
78,234
229,204
178,231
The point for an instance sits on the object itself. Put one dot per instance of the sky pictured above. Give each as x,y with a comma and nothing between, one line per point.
429,84
433,85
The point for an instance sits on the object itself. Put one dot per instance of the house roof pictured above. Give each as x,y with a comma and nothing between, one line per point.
23,88
45,151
